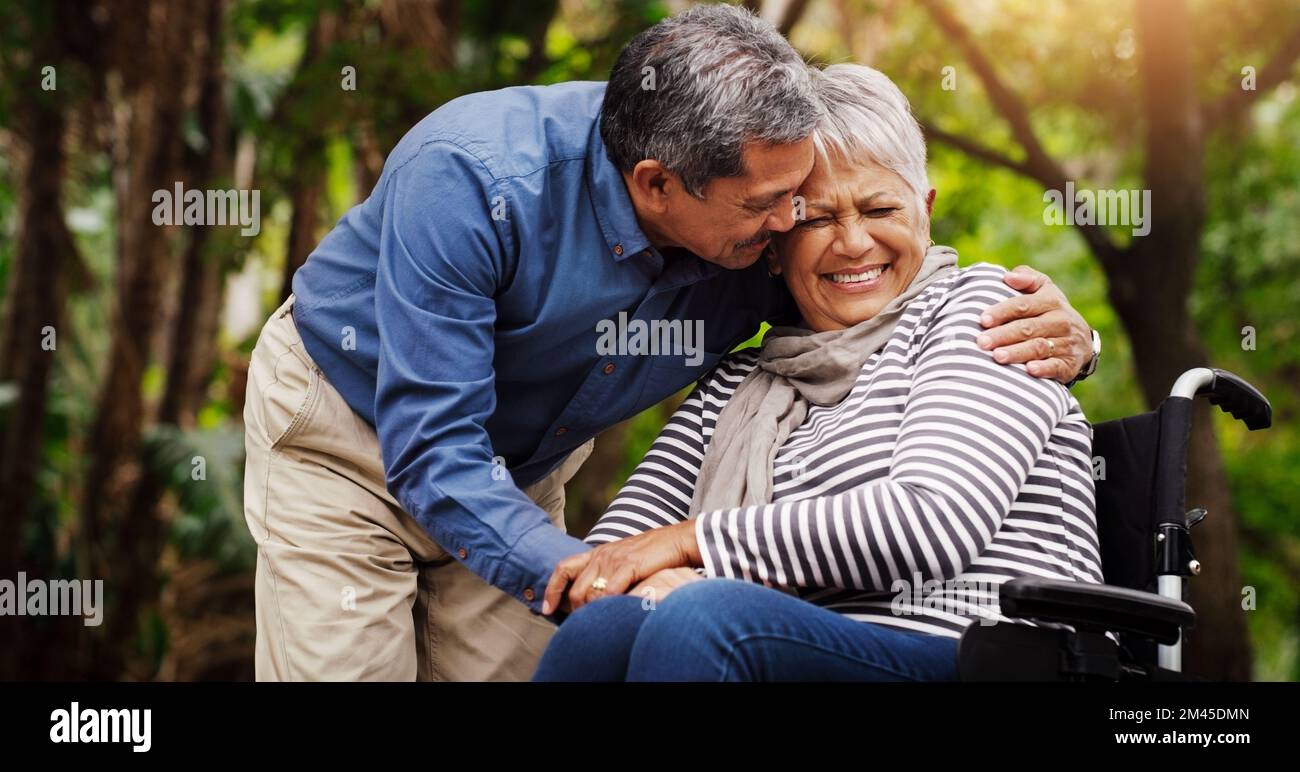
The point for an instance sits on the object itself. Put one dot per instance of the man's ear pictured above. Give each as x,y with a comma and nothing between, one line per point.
929,202
651,183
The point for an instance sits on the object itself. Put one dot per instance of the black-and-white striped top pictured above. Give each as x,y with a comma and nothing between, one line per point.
940,476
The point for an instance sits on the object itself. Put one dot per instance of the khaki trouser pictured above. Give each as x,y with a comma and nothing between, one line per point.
349,586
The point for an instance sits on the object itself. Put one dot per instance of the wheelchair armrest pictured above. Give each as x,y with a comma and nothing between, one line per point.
1096,607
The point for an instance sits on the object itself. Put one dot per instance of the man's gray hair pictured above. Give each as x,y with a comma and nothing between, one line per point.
692,90
866,117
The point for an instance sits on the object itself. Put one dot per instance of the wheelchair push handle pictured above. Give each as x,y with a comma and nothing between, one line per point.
1230,392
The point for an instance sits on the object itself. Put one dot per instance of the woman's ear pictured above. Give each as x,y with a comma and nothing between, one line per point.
929,202
773,264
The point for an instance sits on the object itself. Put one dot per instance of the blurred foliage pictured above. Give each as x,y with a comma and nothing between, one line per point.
204,469
1250,278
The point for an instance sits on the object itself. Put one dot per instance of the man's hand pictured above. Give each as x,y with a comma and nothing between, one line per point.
1040,329
620,564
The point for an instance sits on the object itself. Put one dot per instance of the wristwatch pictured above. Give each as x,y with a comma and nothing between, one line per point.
1091,367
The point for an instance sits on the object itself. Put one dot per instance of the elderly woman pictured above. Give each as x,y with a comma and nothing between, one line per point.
841,503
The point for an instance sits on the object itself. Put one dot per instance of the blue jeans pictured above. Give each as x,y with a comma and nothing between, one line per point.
729,630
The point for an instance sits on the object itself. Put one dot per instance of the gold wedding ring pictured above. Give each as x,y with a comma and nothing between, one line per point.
1051,346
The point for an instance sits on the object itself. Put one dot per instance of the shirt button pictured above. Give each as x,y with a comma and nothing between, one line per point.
462,553
618,249
609,368
560,431
529,594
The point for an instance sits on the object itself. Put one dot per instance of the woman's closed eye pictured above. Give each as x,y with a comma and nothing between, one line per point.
822,221
815,222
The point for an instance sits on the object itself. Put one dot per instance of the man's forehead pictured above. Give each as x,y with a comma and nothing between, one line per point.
774,169
771,158
766,191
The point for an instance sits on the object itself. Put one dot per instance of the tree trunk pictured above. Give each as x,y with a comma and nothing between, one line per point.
1150,290
304,195
368,161
33,315
191,338
1165,344
308,180
192,348
151,47
33,309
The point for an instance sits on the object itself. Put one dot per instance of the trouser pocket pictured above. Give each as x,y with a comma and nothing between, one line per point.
283,384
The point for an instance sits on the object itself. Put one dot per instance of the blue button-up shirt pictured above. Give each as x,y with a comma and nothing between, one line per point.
460,309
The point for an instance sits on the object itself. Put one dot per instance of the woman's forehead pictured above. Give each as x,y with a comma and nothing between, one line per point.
840,179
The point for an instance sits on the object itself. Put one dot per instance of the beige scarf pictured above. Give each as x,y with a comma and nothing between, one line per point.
796,368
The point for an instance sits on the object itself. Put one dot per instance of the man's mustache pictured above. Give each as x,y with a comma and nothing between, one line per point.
760,238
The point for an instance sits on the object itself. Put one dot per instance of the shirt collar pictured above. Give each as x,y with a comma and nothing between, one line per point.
687,269
613,206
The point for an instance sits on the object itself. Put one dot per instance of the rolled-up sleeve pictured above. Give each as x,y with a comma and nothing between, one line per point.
442,257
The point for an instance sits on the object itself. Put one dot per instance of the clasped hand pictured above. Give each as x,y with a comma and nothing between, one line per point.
660,560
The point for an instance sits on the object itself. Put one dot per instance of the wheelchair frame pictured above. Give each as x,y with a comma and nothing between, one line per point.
1097,612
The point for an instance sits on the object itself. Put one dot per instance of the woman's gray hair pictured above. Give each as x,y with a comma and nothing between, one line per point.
692,90
866,117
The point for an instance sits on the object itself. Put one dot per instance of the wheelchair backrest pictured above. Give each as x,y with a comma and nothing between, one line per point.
1124,463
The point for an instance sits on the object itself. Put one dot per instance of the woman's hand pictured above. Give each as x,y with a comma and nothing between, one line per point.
658,586
1021,328
621,564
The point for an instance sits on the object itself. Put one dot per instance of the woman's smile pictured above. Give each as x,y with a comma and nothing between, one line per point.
857,281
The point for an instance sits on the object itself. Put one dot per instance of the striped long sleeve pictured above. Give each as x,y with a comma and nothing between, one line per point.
970,432
659,491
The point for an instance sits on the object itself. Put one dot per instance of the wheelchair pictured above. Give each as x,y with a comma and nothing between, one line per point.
1130,628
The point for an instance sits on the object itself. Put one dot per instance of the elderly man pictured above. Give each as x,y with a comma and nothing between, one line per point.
416,407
